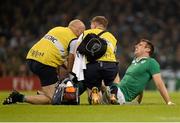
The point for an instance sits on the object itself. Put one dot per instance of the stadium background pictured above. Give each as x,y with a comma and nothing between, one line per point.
24,22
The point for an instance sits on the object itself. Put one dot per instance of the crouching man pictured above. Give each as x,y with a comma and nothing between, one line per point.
44,58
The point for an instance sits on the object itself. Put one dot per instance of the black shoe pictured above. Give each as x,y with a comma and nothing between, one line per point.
13,98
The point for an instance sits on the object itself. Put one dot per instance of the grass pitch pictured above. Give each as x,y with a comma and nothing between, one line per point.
151,109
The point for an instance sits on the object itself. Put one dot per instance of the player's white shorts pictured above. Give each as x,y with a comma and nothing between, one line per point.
120,97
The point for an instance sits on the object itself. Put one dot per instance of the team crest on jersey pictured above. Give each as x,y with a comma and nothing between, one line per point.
134,61
143,61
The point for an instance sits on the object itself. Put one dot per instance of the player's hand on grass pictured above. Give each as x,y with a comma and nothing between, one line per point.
170,103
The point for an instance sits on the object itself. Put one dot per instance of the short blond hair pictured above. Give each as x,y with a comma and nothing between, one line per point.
100,20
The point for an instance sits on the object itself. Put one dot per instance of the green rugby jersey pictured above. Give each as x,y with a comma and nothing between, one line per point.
138,74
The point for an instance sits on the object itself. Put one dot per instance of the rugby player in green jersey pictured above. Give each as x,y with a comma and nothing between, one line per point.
142,69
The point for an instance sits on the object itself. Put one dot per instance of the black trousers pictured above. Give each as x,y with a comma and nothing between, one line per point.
98,71
46,74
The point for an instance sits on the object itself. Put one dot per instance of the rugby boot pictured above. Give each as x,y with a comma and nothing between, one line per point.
14,97
95,98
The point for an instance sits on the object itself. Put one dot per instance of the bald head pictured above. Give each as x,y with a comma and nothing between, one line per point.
77,27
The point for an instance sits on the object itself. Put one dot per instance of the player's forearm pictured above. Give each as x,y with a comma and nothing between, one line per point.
164,93
70,62
161,87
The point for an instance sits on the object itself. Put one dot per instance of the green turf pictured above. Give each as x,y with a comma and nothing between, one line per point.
152,109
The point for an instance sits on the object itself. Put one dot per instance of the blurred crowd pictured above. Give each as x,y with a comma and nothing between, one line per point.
24,22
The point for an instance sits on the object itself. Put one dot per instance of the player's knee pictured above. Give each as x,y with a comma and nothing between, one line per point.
49,91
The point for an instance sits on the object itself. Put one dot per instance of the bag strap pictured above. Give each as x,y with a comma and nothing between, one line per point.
111,46
101,33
